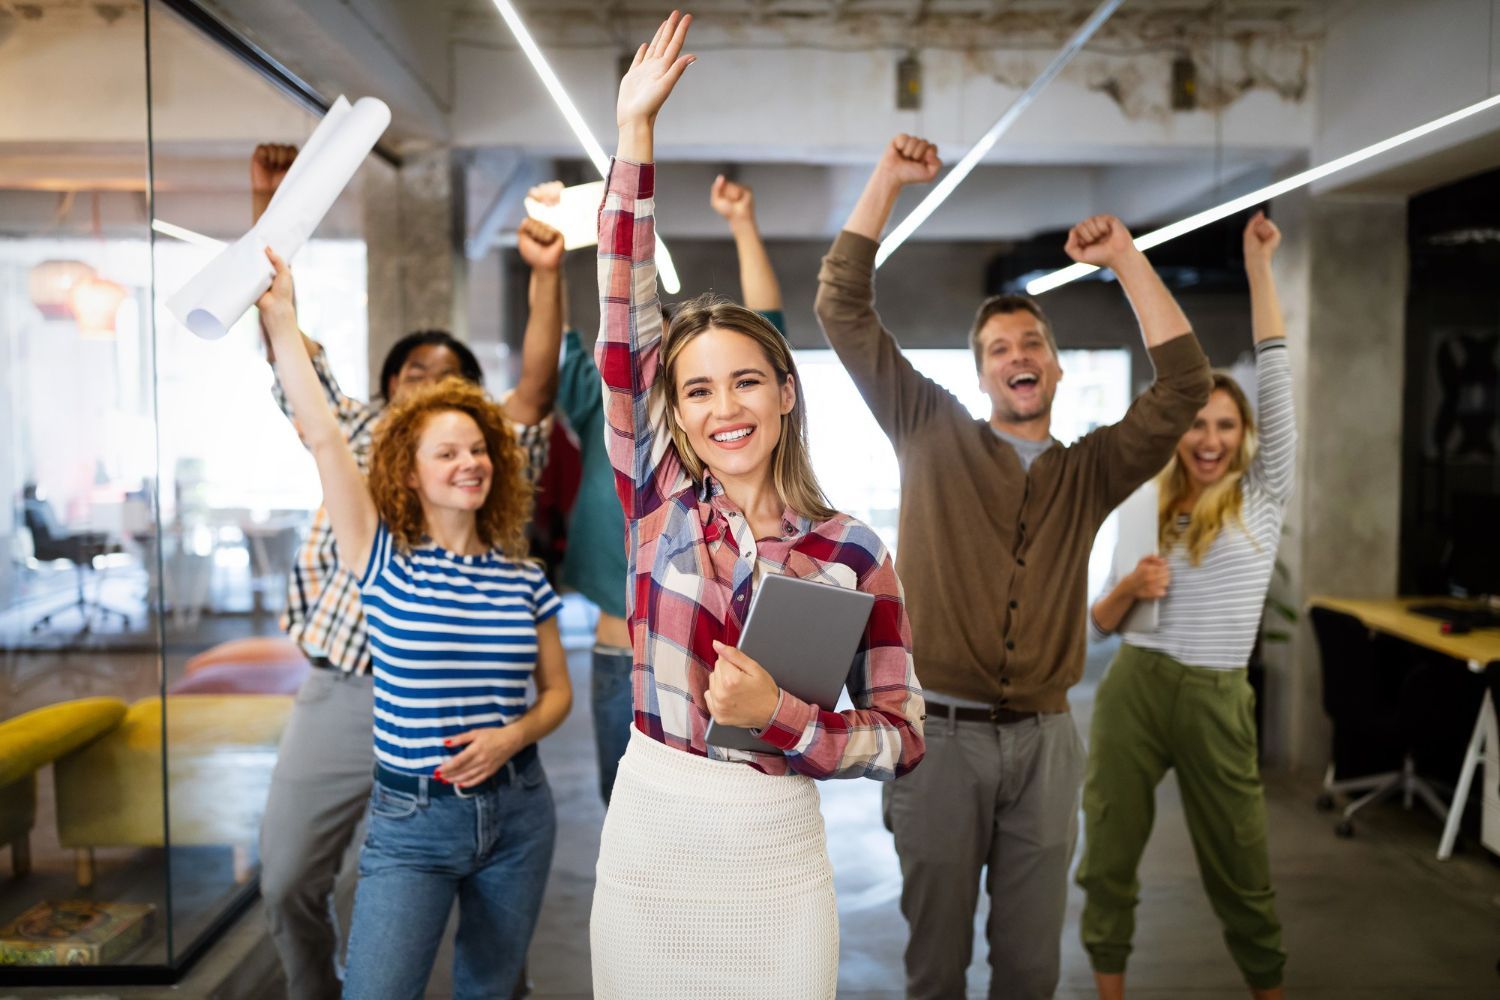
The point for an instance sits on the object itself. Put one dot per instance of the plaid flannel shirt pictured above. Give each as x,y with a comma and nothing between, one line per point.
693,558
323,614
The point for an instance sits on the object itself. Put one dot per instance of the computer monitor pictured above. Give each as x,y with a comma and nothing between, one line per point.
1474,564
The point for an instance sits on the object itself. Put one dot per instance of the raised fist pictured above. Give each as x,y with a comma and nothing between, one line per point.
910,159
1100,240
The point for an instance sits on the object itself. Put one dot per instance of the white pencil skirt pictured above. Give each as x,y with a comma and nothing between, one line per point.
713,883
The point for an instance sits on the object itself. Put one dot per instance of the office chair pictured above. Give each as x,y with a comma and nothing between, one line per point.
1370,694
50,541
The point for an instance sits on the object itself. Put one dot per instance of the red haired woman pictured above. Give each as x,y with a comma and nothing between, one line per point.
461,626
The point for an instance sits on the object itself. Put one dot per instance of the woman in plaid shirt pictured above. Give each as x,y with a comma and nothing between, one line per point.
713,876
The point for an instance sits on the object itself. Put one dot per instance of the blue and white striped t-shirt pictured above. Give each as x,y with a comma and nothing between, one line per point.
452,645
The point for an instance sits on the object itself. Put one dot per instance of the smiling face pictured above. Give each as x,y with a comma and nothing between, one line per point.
729,403
1208,450
427,364
453,469
1018,369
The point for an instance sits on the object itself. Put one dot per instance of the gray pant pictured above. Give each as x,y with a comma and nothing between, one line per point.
318,795
1001,797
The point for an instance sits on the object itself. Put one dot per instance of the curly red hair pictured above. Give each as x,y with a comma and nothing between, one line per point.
501,520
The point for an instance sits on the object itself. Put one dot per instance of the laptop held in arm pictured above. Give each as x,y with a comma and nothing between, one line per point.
805,634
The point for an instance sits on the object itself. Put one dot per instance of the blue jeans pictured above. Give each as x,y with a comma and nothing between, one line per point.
614,713
491,851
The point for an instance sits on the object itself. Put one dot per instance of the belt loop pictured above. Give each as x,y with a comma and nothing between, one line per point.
422,797
510,771
952,720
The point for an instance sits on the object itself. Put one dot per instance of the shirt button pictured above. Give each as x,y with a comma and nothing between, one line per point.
1010,644
1020,561
1014,605
741,597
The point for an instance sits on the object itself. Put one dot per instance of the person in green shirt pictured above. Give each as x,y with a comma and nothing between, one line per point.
595,561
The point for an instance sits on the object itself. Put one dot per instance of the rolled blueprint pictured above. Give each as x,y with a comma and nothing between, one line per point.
217,296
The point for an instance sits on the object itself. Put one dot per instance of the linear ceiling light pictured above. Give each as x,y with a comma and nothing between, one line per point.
580,128
971,159
1072,272
186,235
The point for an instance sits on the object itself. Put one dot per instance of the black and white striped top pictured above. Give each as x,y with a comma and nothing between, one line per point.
1212,611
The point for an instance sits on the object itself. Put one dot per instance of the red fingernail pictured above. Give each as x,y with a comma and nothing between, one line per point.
447,743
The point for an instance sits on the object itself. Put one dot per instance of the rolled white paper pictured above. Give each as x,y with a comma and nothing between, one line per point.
217,296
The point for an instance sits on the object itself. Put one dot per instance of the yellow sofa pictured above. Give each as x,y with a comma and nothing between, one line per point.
220,752
29,742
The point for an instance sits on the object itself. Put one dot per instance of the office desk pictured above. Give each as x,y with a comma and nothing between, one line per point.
1479,650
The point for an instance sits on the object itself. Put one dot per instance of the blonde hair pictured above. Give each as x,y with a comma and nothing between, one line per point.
1218,503
501,520
791,464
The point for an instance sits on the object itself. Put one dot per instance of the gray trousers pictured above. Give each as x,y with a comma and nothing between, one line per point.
318,795
997,798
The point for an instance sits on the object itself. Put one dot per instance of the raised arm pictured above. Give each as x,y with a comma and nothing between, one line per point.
1276,457
345,493
269,164
541,248
897,394
1133,450
628,348
758,284
1103,240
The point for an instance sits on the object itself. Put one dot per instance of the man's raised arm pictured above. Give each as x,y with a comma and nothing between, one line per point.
897,394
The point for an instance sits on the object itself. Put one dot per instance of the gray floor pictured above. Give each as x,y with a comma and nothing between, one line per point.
1373,917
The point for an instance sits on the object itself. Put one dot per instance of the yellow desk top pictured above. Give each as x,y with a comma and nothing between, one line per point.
1478,648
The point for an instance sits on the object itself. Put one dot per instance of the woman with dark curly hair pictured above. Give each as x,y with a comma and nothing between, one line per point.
459,622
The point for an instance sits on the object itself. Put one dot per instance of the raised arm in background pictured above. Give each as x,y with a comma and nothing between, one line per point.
899,396
1276,457
345,493
541,248
758,284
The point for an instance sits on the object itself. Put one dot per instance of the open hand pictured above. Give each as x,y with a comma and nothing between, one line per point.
484,752
1150,578
1261,239
734,201
1100,240
657,67
740,692
278,306
541,246
909,159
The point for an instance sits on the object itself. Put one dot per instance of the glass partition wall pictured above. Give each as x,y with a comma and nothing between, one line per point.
155,494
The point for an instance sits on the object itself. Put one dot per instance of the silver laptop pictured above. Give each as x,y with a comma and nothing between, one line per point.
805,634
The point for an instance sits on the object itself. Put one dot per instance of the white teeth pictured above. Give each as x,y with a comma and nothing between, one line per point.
1023,379
733,435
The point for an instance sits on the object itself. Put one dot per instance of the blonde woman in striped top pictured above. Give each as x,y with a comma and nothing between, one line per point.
1178,697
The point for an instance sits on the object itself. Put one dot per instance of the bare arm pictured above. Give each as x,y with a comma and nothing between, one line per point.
268,166
758,284
1103,240
345,493
907,159
541,247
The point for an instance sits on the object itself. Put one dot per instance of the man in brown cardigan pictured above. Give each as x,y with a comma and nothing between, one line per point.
997,520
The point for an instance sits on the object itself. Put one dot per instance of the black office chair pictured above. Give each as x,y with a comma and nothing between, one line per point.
1372,695
51,541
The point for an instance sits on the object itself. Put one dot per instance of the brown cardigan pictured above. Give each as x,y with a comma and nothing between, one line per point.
994,560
